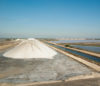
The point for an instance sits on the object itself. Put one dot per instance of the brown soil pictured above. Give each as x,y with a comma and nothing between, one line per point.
81,82
7,44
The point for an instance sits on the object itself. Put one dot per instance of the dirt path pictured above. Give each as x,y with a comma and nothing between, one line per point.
6,45
81,82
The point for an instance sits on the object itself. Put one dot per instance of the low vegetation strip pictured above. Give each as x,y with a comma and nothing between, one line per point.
95,44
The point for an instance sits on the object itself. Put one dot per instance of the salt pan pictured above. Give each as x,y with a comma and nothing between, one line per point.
30,48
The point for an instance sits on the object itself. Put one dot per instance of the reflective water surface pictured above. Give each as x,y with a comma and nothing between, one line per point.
90,48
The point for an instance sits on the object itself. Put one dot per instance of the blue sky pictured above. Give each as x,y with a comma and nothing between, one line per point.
50,18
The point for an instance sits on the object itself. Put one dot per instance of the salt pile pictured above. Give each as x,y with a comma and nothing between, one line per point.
30,48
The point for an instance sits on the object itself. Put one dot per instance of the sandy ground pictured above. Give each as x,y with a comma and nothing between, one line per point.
7,44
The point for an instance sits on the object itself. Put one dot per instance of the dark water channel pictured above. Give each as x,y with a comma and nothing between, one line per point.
90,57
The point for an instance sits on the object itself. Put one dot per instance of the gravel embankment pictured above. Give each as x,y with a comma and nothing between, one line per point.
34,70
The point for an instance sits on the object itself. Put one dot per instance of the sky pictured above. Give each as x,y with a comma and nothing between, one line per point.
50,18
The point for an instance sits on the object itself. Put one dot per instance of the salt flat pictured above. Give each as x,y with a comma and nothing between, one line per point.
36,70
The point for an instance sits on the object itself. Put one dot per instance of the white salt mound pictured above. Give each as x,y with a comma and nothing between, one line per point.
30,48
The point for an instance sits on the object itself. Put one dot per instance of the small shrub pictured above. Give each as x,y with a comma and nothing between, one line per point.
67,45
8,39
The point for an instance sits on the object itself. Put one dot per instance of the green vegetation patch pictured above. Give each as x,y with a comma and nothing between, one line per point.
68,45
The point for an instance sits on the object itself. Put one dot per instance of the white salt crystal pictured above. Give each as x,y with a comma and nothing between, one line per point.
30,48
